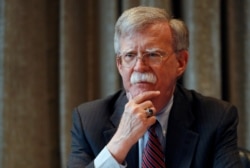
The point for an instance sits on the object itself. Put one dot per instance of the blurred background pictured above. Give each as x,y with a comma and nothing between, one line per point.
56,54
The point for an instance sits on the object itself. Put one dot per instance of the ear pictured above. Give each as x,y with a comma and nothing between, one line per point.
182,58
118,65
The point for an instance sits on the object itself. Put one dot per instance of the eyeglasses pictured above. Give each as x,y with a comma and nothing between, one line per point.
129,60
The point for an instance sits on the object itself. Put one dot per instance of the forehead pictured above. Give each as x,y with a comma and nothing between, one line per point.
151,37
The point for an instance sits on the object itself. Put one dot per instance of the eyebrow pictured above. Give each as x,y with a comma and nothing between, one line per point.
126,51
146,50
153,50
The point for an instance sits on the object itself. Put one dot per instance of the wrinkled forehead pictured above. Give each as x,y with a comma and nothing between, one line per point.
155,37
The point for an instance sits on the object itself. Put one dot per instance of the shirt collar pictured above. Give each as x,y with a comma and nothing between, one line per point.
163,115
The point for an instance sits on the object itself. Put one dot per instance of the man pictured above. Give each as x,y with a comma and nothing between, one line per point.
191,130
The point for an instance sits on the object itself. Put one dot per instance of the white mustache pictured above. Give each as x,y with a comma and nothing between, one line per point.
142,77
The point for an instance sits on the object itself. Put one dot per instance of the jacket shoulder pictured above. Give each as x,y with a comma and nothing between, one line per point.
99,105
198,100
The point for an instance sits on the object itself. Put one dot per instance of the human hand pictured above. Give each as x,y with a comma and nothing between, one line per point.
133,124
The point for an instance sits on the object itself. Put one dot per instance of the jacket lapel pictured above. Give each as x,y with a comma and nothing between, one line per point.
118,108
132,157
181,139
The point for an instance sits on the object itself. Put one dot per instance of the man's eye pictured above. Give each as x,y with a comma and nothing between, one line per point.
129,55
153,54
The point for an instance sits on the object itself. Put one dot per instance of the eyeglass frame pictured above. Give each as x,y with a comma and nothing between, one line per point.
120,57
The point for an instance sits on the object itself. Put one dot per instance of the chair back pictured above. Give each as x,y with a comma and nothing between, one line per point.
245,157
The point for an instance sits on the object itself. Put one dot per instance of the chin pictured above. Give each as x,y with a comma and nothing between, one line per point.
139,88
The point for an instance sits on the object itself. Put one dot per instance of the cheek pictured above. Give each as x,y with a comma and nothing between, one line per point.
125,74
167,74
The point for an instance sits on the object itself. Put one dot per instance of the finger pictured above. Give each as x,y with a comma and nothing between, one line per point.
146,104
151,121
146,96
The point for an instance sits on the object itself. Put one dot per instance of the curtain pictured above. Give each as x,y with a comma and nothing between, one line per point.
55,55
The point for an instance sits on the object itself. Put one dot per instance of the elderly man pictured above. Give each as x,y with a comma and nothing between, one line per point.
153,121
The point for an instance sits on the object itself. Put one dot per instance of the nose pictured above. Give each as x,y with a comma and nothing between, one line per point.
141,63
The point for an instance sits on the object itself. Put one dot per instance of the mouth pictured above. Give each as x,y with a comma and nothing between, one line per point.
143,83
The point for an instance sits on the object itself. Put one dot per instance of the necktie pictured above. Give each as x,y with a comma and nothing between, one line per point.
153,156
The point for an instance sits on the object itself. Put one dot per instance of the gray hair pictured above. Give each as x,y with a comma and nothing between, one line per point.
138,18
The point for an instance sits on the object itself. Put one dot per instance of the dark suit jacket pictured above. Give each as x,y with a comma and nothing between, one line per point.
202,131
